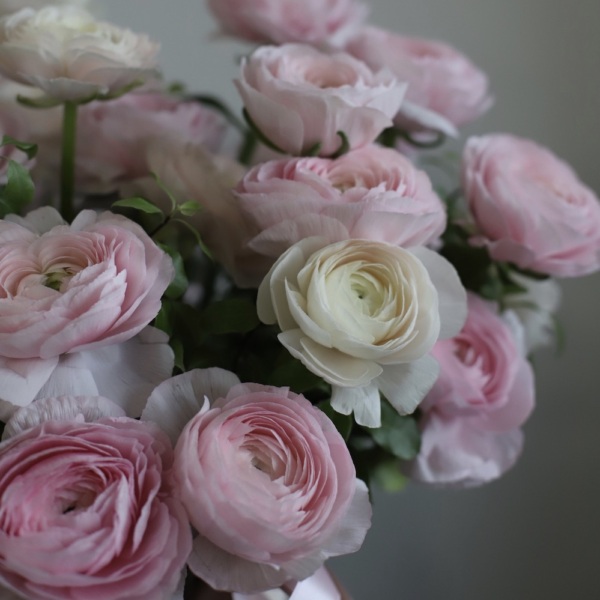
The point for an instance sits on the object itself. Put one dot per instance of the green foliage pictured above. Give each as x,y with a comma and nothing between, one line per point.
18,191
343,423
140,204
398,435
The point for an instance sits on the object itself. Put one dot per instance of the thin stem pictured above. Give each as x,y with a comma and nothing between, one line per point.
67,167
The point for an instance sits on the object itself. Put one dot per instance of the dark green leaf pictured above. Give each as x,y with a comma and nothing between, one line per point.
388,476
139,204
398,435
234,315
295,375
18,191
180,283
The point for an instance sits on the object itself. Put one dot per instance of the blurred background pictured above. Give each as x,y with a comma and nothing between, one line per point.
535,533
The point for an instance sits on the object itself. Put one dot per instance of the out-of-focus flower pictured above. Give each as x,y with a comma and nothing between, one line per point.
318,22
445,89
86,511
364,316
530,207
123,128
11,6
301,98
65,52
265,477
372,193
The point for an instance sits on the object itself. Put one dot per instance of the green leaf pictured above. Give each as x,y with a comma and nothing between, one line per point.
189,209
27,147
344,145
18,191
398,435
197,235
234,315
388,476
140,204
295,375
180,283
343,423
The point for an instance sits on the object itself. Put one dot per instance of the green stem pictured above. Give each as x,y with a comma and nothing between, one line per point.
248,147
67,167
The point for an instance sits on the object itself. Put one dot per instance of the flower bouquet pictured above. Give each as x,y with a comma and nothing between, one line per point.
218,330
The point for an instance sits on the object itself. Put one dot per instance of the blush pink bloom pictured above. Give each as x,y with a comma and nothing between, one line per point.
445,89
372,193
65,52
86,512
122,129
530,207
64,288
484,373
485,392
266,479
456,452
299,97
282,21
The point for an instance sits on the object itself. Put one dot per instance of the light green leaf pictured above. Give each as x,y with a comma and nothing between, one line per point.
140,204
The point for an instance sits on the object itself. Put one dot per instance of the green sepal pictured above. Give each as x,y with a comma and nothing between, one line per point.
28,148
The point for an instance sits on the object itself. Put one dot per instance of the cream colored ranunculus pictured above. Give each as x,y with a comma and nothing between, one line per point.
363,315
65,52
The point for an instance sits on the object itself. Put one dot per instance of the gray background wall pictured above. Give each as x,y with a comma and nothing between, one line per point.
535,534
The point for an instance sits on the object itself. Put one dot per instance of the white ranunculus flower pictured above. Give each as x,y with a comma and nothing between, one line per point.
363,315
65,52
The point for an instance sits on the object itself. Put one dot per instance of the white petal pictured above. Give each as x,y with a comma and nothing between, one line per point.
319,586
71,377
451,292
128,372
363,401
22,379
406,385
224,571
63,408
178,399
39,220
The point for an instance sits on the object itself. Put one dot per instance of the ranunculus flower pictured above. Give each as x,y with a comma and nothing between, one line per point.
75,302
300,97
485,392
65,52
364,316
456,452
265,477
445,89
87,513
372,193
123,128
484,373
283,21
530,207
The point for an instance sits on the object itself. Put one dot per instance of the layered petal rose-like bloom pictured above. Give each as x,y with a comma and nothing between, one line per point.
123,128
364,316
485,392
78,289
284,21
11,6
372,193
530,207
86,510
299,98
445,89
265,477
65,52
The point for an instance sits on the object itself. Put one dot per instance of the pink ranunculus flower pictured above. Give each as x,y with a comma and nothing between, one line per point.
456,452
299,98
88,513
364,316
530,207
484,373
65,52
445,89
371,193
266,479
318,22
75,303
122,129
